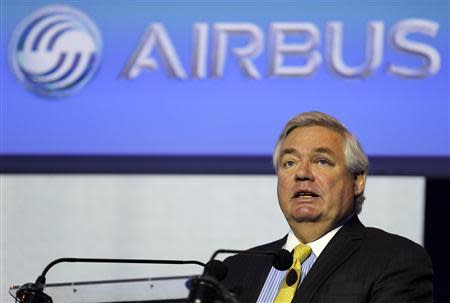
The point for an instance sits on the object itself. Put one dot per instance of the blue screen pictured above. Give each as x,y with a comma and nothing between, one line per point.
222,78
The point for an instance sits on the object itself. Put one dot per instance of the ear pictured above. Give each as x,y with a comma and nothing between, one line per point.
359,183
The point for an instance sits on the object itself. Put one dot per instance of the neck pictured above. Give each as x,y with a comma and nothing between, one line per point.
308,232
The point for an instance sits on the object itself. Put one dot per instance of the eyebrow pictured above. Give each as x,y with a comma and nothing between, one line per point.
318,150
288,151
325,150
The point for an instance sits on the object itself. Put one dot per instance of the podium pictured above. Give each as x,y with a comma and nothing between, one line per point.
157,289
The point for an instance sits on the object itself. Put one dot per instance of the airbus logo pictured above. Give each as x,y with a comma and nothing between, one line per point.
304,41
55,51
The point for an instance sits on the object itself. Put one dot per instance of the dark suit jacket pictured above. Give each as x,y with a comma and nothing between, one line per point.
359,264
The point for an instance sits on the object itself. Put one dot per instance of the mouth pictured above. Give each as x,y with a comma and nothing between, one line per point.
304,195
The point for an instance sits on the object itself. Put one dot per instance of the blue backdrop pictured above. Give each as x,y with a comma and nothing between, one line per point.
233,114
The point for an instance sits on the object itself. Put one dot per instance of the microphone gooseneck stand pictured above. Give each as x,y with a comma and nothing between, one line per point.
206,288
34,292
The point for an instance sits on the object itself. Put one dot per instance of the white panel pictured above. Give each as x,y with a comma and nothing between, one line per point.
44,217
397,205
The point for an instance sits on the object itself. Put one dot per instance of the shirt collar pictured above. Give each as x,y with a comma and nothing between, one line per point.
317,246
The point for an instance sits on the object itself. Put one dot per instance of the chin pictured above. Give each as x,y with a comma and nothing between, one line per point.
305,213
305,218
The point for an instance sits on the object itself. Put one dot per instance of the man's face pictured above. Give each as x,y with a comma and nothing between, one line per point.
314,182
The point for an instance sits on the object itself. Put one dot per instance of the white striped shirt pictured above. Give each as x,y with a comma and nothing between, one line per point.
275,277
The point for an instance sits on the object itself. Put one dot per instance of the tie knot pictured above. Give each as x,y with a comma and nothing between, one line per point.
301,252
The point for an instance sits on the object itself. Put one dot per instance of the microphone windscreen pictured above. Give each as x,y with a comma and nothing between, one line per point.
216,269
283,260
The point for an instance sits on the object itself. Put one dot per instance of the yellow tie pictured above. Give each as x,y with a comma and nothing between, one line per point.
292,278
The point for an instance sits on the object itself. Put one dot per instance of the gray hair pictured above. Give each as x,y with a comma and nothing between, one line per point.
356,160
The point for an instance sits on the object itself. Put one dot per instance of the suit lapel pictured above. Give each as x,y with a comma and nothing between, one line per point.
259,270
338,250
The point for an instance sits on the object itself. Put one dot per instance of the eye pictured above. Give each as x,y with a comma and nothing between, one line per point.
325,162
288,164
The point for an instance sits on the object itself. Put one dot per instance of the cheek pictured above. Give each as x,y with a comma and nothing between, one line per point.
333,188
341,191
327,182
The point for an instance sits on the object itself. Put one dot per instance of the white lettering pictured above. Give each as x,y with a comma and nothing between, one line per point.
244,54
155,36
200,54
374,50
398,38
279,49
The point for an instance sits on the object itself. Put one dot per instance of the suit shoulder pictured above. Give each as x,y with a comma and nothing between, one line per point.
392,243
401,270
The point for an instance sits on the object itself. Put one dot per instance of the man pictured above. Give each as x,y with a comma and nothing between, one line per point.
321,170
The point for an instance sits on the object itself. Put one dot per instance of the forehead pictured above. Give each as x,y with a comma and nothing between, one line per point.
308,138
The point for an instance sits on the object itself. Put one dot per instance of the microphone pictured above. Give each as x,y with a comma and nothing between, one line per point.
34,292
217,269
207,288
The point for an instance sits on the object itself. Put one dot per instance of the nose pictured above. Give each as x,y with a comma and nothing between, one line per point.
304,172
